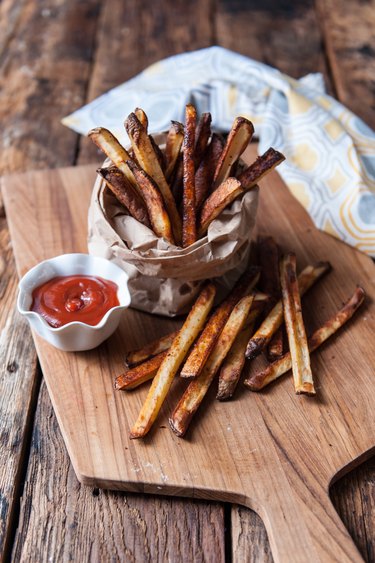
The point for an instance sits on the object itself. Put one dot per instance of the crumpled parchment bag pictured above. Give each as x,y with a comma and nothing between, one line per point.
165,279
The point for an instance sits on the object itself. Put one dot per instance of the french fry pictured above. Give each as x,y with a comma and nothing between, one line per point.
135,357
108,143
262,166
147,159
154,202
274,319
143,119
171,363
275,370
217,201
173,146
295,328
197,389
125,193
139,374
205,173
189,223
202,136
275,347
211,332
232,367
239,137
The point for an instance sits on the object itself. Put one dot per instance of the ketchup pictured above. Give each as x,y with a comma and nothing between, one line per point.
65,299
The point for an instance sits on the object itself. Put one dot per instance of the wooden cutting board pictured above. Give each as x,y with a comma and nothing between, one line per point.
272,451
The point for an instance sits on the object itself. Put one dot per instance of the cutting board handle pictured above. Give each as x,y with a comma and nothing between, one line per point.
303,526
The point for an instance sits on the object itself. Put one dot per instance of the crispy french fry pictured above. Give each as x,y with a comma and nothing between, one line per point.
239,137
157,213
140,374
125,193
259,380
217,201
197,389
275,347
295,328
205,173
274,319
171,363
262,166
189,223
108,143
173,146
142,117
232,367
147,159
202,136
135,357
211,332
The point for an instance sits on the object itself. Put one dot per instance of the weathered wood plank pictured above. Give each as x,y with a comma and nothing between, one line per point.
349,36
44,68
62,520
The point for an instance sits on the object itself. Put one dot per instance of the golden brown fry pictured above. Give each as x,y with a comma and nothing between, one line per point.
202,136
154,202
171,363
211,332
295,328
189,223
140,374
147,159
232,367
274,319
275,370
195,392
173,146
141,115
113,149
217,201
205,173
262,166
239,137
135,357
125,193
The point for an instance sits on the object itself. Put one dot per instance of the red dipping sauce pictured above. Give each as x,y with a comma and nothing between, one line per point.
66,299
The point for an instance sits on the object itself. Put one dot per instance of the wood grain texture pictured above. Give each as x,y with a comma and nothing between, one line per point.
61,520
335,421
349,37
249,537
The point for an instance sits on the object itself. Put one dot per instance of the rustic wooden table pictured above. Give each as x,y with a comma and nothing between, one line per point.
55,56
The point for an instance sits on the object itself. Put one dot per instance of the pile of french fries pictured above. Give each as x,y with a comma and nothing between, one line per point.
264,303
178,191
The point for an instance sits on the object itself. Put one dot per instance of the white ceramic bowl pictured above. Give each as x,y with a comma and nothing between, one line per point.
74,336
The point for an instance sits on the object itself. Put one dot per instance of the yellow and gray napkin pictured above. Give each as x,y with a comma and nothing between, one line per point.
330,152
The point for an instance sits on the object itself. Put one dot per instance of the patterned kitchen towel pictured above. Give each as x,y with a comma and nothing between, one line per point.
330,152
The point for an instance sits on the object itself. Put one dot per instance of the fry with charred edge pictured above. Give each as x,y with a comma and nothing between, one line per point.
239,137
275,347
125,194
154,202
275,370
205,173
171,363
274,319
202,136
189,222
232,367
143,119
139,374
173,146
295,328
147,159
217,201
135,357
108,143
262,166
211,332
195,392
